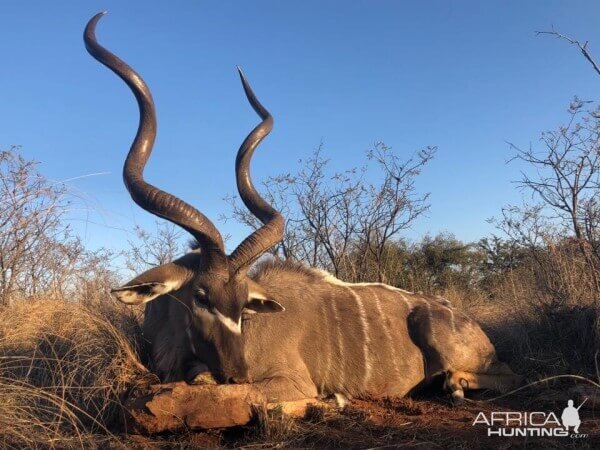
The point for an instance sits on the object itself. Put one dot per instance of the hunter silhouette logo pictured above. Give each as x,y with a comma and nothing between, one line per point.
533,424
570,416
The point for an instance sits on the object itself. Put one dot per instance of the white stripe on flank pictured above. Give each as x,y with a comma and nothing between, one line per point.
452,320
328,351
336,318
408,303
446,304
327,277
433,339
386,330
365,328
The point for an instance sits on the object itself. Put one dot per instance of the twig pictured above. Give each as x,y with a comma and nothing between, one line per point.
543,380
582,47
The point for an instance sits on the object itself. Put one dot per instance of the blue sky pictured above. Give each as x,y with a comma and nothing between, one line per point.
465,76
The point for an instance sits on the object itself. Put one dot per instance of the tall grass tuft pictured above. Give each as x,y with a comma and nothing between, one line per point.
64,370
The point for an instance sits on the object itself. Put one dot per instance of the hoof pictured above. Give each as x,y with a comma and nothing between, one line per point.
198,373
203,378
340,400
458,397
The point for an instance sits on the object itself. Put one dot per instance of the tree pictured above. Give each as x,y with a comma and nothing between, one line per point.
31,209
499,257
39,256
565,181
342,221
567,168
155,248
437,263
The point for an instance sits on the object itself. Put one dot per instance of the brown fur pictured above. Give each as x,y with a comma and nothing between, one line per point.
409,338
363,339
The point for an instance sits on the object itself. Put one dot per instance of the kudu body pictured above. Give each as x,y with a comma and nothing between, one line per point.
339,338
296,332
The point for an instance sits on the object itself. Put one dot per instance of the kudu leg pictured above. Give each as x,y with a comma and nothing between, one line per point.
458,381
282,389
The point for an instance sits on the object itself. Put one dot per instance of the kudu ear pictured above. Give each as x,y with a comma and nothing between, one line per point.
158,281
258,301
262,305
135,294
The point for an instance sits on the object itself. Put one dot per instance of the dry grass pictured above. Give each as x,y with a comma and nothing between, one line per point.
538,327
63,371
544,316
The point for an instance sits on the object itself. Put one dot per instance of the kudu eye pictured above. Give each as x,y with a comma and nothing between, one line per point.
200,298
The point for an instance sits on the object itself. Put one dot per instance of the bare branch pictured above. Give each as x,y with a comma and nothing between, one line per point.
582,47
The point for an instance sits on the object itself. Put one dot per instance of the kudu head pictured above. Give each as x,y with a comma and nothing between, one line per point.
212,285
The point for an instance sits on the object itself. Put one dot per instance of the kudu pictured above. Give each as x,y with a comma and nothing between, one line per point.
296,332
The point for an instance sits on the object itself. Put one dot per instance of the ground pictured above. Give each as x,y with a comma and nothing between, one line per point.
430,422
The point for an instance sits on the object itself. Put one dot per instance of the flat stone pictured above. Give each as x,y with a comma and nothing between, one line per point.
180,406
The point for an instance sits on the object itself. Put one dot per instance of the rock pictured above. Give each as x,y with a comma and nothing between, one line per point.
179,406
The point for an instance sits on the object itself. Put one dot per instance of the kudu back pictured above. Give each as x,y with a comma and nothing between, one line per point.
295,331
